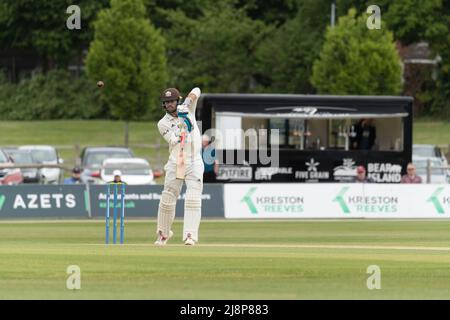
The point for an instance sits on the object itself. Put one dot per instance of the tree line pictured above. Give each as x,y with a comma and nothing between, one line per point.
138,47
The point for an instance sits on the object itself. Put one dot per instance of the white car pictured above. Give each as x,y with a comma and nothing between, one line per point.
92,160
432,152
429,151
135,171
46,155
437,175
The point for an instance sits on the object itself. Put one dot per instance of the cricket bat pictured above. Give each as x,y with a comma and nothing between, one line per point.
181,159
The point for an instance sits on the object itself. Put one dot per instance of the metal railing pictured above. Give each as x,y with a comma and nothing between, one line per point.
429,168
33,166
157,160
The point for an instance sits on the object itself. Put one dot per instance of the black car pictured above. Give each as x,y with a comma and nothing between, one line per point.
92,161
30,175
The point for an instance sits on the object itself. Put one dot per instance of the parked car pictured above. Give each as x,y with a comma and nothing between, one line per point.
429,151
9,176
92,161
432,152
30,175
46,155
437,174
134,170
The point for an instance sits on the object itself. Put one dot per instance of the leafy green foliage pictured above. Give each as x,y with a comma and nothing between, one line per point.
415,20
271,11
224,46
356,60
215,51
160,10
42,25
52,96
285,58
128,54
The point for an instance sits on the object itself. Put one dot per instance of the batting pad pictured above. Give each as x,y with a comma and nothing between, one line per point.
166,212
192,208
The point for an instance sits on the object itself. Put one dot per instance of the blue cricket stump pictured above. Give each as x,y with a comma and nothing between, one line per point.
115,213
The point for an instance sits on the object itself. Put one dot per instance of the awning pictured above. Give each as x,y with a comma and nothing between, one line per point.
311,111
313,116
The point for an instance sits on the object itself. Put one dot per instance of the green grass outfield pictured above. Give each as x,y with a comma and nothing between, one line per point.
295,259
431,132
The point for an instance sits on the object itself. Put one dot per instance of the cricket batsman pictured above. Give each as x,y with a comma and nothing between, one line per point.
179,128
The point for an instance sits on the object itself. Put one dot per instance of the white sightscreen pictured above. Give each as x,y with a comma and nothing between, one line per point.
228,132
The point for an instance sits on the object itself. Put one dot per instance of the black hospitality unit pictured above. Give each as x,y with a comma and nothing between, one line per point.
312,134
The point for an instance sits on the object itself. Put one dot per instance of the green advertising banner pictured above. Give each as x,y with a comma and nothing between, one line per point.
143,201
37,201
83,201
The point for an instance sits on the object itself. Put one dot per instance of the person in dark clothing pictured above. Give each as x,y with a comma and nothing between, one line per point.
117,176
75,178
209,160
365,135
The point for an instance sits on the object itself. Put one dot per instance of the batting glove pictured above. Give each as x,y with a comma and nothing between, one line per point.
183,113
183,109
176,138
187,121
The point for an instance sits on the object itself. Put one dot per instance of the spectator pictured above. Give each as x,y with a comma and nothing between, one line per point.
209,160
75,178
117,176
410,176
365,135
361,175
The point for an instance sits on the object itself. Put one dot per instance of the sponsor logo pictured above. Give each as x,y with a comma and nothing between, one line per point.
44,201
312,173
365,204
312,165
341,201
439,205
266,173
384,172
247,199
148,196
345,172
306,110
272,203
235,173
2,201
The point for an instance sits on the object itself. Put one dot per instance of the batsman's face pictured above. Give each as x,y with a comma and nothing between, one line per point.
171,106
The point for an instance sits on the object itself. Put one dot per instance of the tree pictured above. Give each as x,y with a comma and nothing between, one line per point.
215,51
271,11
286,56
160,10
356,60
414,21
41,25
441,102
55,95
128,54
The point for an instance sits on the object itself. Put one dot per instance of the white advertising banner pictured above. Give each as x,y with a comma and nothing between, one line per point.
336,200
